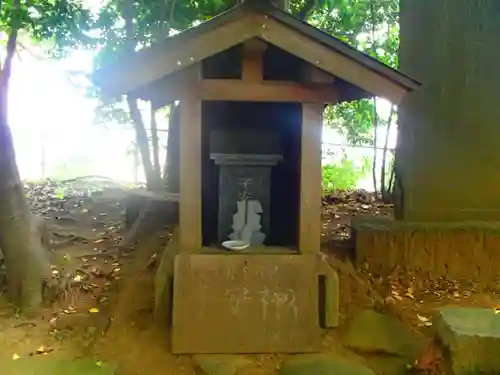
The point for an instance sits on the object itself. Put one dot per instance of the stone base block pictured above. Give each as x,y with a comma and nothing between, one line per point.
164,281
459,251
247,303
472,339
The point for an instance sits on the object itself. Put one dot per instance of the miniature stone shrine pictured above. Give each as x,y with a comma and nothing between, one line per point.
252,85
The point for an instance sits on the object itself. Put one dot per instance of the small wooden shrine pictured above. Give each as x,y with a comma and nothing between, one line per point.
252,84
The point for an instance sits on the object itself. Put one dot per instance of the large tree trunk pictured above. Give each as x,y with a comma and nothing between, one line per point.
386,191
447,159
141,138
375,145
156,145
173,142
19,238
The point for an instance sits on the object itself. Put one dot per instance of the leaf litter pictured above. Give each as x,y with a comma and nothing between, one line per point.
85,223
402,292
80,221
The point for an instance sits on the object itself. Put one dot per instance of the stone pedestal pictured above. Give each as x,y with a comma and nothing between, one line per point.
435,250
245,159
246,304
472,338
243,176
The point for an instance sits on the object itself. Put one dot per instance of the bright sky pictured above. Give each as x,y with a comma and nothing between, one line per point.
49,115
52,121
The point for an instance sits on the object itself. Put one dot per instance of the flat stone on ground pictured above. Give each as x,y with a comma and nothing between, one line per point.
221,364
375,333
47,365
387,364
472,337
320,364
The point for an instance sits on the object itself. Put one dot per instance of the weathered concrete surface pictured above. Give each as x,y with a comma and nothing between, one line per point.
164,281
373,333
448,137
245,304
221,364
48,365
462,250
320,364
472,336
329,294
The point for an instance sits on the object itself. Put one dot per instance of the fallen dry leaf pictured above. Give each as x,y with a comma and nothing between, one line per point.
422,318
42,350
396,295
409,293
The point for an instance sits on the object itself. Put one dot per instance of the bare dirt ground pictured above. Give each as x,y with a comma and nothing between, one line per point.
106,310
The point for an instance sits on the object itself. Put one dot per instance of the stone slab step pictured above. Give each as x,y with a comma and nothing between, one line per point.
472,337
321,364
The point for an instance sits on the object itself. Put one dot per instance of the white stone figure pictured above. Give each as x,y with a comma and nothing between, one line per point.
246,222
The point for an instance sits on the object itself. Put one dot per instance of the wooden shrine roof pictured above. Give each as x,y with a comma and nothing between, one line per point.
244,22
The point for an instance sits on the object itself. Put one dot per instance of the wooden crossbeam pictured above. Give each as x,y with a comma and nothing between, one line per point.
239,90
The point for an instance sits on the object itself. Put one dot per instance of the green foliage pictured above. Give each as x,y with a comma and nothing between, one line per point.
344,174
153,21
353,120
372,26
368,25
62,23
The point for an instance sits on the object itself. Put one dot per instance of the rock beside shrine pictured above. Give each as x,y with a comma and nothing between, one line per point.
371,332
48,365
387,364
221,364
316,364
472,337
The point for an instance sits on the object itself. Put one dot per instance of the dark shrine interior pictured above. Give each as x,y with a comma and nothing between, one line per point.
282,118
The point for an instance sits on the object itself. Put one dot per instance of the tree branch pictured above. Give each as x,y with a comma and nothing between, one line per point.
135,113
306,10
172,12
383,189
11,47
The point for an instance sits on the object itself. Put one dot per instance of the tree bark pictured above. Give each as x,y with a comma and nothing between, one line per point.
156,149
141,135
375,145
20,241
390,188
375,118
383,178
173,142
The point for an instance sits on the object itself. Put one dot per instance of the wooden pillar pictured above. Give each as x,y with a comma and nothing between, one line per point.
252,62
190,170
310,178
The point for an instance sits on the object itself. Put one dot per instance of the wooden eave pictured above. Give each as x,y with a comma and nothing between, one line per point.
243,23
